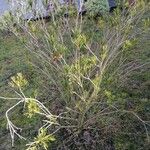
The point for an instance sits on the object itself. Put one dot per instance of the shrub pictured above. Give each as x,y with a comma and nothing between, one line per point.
86,62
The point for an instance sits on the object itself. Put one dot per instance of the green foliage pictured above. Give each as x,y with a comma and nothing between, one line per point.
96,6
81,66
18,81
80,40
41,141
6,20
32,108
